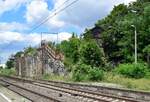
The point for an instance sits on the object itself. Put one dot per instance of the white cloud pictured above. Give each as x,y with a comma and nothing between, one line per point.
13,26
34,38
7,5
83,13
8,37
128,1
36,11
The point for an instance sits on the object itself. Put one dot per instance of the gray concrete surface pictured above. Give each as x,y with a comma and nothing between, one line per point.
9,96
103,84
2,99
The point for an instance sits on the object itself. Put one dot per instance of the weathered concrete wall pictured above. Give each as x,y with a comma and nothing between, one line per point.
39,64
29,66
54,66
33,66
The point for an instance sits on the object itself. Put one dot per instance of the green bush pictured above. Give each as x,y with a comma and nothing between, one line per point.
7,71
147,76
68,64
80,72
132,70
91,54
10,64
83,72
95,74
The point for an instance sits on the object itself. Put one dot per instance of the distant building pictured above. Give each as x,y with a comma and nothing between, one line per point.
96,31
3,65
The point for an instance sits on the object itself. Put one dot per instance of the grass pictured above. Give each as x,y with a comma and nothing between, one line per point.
7,71
57,77
136,84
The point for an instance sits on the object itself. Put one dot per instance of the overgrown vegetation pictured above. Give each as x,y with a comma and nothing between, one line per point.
10,64
132,70
137,84
56,77
7,71
91,54
109,46
83,72
30,51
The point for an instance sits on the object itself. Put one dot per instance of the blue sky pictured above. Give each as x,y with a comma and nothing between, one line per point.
19,17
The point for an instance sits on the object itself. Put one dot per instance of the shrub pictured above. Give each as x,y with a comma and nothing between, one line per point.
10,64
80,72
95,74
68,64
84,72
91,54
7,72
132,70
147,76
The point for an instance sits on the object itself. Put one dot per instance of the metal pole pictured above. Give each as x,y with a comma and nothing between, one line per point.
56,47
135,46
42,55
57,38
41,38
135,37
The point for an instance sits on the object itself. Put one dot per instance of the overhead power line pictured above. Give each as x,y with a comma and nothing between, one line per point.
54,14
61,5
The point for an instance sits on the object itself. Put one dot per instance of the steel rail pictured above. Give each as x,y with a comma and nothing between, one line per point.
36,93
89,92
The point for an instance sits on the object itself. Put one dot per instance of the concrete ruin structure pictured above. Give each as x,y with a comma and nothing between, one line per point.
45,61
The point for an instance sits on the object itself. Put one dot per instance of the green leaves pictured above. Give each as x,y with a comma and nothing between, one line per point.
118,35
70,48
83,72
91,54
147,49
10,64
132,70
30,51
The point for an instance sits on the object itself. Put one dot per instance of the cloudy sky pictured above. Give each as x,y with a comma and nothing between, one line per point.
18,18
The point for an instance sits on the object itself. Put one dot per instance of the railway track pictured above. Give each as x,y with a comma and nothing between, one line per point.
59,93
27,93
136,95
